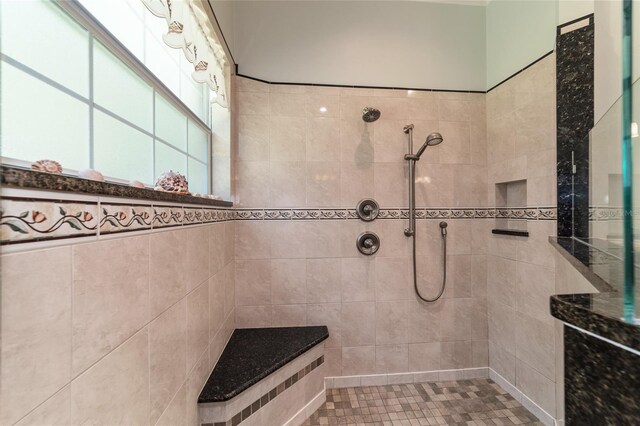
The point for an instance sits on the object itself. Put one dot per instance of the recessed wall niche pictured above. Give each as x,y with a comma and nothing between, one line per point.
512,194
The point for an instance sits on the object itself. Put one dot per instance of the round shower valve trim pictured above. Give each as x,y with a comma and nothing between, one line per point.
368,243
367,209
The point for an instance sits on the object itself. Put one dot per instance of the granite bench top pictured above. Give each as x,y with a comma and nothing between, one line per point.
600,313
253,353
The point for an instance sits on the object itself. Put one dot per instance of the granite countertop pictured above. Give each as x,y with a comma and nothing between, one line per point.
253,353
600,313
19,177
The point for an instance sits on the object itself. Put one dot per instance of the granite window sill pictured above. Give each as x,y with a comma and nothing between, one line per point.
19,177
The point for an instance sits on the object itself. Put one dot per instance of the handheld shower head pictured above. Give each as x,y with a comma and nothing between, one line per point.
432,140
369,114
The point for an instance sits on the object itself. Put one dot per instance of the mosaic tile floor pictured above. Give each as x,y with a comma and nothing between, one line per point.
462,402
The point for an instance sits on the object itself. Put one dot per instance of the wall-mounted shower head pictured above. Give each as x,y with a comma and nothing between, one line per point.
369,114
432,140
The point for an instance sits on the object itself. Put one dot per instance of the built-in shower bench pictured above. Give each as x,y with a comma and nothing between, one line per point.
266,376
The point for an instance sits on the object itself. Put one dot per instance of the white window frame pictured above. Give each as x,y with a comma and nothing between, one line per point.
97,31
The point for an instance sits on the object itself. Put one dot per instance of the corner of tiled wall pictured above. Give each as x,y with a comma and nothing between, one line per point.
120,331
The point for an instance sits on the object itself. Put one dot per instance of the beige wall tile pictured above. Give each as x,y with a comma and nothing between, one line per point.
111,298
502,326
167,357
288,281
323,139
287,184
253,316
392,278
323,184
424,321
252,240
392,322
357,279
194,384
253,137
534,285
167,276
392,358
287,140
176,412
287,240
287,104
456,149
36,319
358,360
328,314
253,103
197,324
54,411
356,182
535,344
253,282
390,183
358,324
216,302
252,184
289,315
536,386
116,389
197,256
323,280
455,355
322,238
501,280
502,362
424,356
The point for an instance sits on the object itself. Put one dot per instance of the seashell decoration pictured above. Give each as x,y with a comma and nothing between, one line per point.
91,174
136,184
172,182
47,166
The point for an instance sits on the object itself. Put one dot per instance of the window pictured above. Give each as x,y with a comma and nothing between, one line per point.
66,96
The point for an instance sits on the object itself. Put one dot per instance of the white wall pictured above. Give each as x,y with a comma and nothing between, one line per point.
378,43
568,10
518,33
608,53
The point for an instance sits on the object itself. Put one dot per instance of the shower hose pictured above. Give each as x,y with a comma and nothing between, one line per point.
443,233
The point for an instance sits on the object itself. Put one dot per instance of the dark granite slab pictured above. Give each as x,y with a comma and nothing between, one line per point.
601,382
574,116
254,353
18,177
600,313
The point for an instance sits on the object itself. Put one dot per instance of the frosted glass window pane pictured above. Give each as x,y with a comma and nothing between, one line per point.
198,177
168,158
121,151
198,142
171,124
117,88
39,121
162,60
40,35
123,19
191,94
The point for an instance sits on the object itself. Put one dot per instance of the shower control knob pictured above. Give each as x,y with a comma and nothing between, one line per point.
367,209
368,243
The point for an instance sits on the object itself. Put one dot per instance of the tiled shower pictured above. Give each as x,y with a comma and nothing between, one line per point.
120,298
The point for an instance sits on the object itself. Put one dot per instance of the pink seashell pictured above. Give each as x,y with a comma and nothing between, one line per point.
91,174
136,184
47,166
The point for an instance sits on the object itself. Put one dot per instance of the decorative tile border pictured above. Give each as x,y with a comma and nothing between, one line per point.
529,213
259,403
30,220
